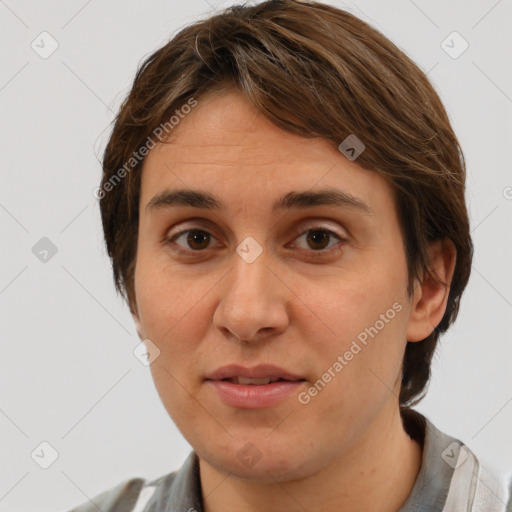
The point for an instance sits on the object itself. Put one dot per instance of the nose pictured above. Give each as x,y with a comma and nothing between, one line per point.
253,301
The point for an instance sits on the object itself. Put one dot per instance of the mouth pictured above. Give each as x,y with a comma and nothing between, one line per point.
257,375
247,381
260,387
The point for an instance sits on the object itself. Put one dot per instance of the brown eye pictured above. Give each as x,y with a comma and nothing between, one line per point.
195,239
318,239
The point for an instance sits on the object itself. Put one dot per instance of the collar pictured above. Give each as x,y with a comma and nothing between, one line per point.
439,458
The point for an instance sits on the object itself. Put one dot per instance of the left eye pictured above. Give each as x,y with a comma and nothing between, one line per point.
318,238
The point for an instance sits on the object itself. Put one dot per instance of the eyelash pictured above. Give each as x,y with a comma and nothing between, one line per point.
171,241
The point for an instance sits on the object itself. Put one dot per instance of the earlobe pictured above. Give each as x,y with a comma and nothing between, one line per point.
430,295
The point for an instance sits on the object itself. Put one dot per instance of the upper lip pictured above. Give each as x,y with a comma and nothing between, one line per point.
256,372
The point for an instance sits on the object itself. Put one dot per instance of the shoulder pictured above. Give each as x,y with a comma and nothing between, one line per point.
491,490
475,485
452,477
126,496
179,490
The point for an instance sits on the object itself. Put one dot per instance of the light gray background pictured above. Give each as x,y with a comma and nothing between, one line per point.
68,373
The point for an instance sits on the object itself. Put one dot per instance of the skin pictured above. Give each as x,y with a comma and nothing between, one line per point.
295,306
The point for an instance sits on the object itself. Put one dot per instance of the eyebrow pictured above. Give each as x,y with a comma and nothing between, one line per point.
291,200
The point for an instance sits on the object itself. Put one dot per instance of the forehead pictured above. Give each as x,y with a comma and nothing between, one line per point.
226,146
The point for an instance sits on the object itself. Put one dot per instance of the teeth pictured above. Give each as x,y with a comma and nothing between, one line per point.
256,382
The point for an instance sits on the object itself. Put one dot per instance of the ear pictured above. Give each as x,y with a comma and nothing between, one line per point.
430,296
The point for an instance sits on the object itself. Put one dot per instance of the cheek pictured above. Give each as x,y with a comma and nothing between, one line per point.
171,311
167,299
357,302
368,319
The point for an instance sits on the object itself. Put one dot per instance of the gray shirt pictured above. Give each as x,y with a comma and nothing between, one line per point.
181,490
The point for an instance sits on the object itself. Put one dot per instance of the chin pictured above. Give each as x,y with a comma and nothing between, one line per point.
261,462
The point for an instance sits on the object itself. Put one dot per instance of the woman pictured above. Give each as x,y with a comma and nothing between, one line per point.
283,203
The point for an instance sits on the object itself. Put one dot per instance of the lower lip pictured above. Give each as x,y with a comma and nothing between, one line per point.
250,396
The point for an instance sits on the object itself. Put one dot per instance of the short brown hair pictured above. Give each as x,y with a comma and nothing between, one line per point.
316,71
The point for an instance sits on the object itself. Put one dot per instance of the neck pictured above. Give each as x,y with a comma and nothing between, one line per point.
381,467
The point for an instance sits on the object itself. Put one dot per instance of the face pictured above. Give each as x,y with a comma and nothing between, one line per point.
315,287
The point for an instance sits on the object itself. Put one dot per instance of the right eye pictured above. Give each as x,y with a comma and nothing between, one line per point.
196,240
